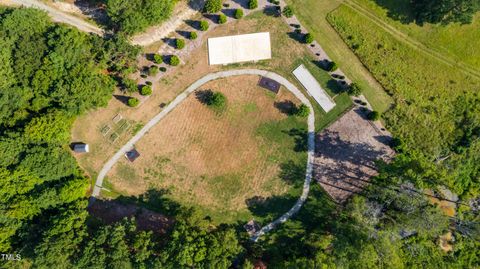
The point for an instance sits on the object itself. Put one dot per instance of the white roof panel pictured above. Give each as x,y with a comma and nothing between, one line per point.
239,48
313,88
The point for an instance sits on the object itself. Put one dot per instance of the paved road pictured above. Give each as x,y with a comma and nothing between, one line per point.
59,16
223,74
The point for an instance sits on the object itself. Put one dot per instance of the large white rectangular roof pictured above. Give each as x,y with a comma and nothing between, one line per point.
239,48
313,88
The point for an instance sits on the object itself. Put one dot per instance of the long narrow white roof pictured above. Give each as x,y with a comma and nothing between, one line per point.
239,48
313,88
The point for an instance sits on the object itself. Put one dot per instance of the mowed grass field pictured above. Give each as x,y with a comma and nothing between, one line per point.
427,92
222,163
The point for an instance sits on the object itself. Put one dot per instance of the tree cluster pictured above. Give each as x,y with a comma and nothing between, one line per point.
134,16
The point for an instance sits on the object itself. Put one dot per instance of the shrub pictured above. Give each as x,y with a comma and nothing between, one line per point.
332,66
153,70
373,115
129,85
157,58
252,4
179,43
302,111
146,90
308,38
222,19
193,35
354,89
174,60
162,69
204,25
213,6
287,11
216,100
133,102
148,83
238,13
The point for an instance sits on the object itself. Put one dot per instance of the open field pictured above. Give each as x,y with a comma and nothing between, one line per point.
454,41
312,14
287,54
427,92
219,162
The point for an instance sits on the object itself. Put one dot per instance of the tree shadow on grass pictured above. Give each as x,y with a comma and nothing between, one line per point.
335,86
399,10
301,139
270,208
229,12
170,41
212,17
292,173
273,11
297,35
122,98
203,96
286,107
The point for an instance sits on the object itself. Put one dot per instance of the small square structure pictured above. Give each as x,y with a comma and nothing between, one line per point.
239,48
80,148
132,155
252,227
313,88
269,84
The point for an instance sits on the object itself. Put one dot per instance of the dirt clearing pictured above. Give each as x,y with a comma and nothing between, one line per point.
346,153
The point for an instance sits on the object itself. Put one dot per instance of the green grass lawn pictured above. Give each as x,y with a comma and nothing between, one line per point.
426,92
454,40
312,14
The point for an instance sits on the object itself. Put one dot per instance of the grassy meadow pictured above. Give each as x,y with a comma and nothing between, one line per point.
427,92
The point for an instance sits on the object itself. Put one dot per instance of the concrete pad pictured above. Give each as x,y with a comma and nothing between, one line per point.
239,48
313,88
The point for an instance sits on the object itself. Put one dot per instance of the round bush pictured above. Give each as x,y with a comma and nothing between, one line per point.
308,38
216,100
174,60
213,6
222,19
179,43
163,69
146,90
373,115
302,111
157,58
204,25
238,13
153,70
332,66
354,89
148,83
193,35
252,4
287,11
133,102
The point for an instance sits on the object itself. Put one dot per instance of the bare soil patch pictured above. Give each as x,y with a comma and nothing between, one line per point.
146,220
346,153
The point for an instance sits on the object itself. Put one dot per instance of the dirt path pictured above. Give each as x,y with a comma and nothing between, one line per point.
180,98
412,42
58,16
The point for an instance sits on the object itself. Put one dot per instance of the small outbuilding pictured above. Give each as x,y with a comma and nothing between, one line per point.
80,148
132,155
252,227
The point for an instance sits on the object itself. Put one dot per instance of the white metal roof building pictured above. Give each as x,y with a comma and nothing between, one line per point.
239,48
313,88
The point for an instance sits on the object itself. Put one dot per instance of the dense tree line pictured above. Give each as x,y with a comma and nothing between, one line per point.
445,11
134,16
49,75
